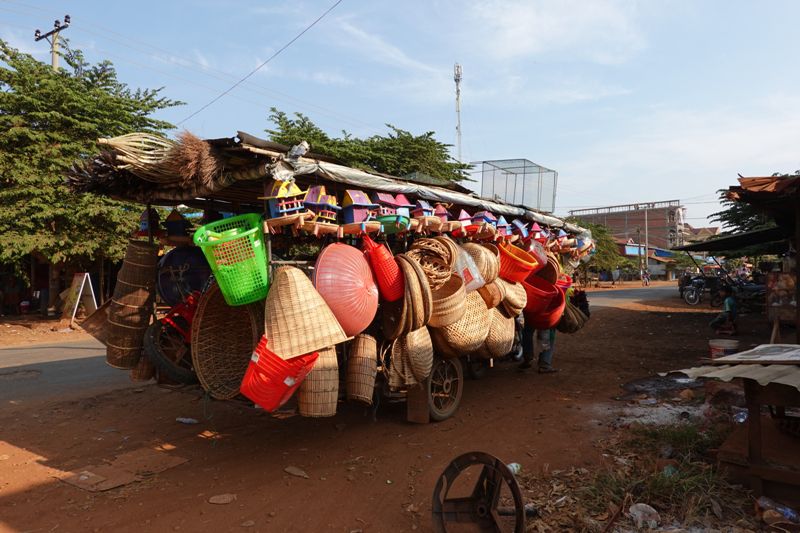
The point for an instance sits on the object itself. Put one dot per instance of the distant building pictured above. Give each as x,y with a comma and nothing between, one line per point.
660,223
692,234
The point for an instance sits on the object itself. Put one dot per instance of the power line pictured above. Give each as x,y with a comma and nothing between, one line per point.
259,67
187,63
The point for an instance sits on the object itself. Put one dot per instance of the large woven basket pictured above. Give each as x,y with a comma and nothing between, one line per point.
400,372
492,294
144,370
467,334
501,334
131,308
297,319
514,297
551,270
319,392
448,303
223,340
417,350
362,368
96,324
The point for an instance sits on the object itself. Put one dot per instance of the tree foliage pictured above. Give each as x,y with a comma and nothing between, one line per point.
398,153
737,217
48,120
606,256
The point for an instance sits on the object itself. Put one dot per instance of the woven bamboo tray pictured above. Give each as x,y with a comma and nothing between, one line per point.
448,302
467,334
223,340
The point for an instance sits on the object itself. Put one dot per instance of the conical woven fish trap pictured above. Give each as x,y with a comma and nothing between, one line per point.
467,334
448,302
514,297
487,262
501,334
297,319
417,350
319,392
362,368
223,340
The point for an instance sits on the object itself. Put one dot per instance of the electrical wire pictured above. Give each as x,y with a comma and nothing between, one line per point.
263,64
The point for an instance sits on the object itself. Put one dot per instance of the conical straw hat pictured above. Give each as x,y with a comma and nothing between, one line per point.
297,320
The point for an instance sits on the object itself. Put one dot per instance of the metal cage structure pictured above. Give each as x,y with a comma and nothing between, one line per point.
519,182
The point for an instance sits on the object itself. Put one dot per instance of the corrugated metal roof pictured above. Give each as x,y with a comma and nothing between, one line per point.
763,374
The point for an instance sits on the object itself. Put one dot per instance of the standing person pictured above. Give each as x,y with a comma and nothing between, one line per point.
547,338
646,278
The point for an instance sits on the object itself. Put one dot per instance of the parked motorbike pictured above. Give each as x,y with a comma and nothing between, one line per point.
749,296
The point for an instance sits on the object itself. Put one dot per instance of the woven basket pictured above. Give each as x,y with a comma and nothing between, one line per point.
144,370
551,270
362,368
425,289
297,319
514,298
319,392
492,295
417,350
448,303
96,324
131,307
501,335
400,371
419,304
393,318
467,334
223,339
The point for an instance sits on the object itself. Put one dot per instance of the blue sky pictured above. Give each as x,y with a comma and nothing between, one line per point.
629,101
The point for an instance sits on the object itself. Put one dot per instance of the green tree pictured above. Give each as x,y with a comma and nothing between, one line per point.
737,217
49,120
606,256
398,153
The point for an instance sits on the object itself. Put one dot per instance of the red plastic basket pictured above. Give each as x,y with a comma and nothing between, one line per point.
270,381
540,293
548,317
564,282
515,263
391,284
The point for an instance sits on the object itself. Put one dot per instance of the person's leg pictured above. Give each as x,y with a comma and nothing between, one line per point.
719,320
528,346
546,355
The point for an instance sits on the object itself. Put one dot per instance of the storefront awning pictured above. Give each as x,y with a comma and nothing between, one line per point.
738,241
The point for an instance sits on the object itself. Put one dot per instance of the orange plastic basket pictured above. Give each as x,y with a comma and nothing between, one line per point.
270,380
515,263
548,317
391,284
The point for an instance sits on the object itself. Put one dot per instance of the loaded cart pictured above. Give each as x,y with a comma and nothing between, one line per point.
305,278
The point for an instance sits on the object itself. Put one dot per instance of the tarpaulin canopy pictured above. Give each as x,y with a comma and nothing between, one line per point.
739,241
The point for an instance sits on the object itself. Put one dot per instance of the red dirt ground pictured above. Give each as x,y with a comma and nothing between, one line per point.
363,474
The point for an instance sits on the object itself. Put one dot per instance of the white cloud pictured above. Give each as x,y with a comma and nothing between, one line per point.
377,49
601,31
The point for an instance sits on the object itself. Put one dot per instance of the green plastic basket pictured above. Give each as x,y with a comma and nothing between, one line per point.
234,247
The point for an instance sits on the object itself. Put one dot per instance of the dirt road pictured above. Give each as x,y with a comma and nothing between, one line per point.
362,474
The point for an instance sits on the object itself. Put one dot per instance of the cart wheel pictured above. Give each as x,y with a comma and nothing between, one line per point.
477,368
170,354
445,387
488,506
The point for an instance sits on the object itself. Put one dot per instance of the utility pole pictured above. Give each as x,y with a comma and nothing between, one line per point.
457,74
52,38
639,248
646,238
54,274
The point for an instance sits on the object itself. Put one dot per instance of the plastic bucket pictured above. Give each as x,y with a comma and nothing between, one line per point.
548,317
515,263
720,347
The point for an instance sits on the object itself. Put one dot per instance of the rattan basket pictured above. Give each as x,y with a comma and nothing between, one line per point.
492,295
144,370
417,351
400,371
131,308
319,392
501,335
96,324
485,260
467,334
514,297
297,319
223,340
362,368
448,303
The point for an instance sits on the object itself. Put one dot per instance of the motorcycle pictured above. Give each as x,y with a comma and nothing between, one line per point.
167,342
749,296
